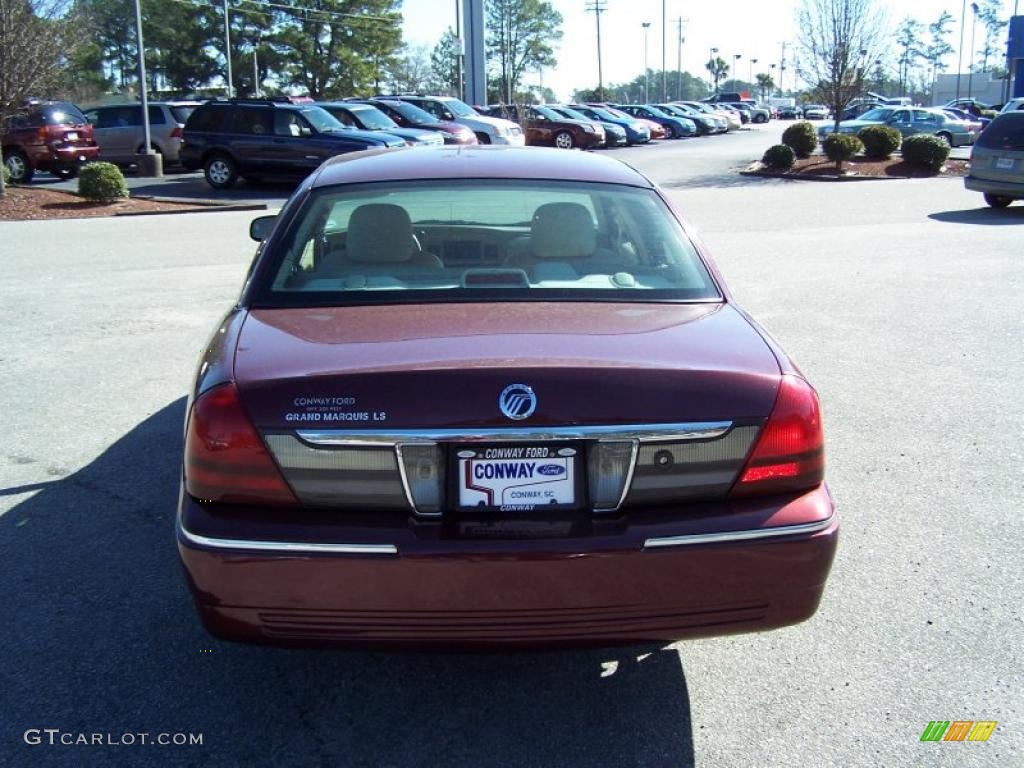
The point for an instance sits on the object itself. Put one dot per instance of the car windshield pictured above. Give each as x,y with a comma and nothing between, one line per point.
322,120
1005,132
373,118
63,114
550,114
876,114
412,113
467,240
459,108
182,112
605,113
618,113
572,114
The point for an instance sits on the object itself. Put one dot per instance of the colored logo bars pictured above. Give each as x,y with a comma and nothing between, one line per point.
958,730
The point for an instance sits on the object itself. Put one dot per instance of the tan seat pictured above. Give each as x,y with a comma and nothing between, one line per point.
379,240
559,232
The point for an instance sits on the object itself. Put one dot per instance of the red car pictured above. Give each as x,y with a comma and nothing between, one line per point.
52,137
495,397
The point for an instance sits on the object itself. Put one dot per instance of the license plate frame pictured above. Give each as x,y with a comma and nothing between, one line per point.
1005,163
533,490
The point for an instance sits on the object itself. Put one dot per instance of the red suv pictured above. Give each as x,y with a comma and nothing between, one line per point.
52,137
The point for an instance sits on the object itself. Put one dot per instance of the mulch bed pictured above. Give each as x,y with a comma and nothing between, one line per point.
22,203
820,167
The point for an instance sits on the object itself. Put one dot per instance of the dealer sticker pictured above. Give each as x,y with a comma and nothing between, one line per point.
516,478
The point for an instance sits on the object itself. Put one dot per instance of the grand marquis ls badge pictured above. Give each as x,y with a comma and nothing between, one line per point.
517,401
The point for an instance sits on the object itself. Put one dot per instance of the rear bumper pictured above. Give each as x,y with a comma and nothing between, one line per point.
66,157
518,140
650,578
992,187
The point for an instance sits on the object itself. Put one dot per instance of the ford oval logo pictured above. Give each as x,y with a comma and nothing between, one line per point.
551,470
517,401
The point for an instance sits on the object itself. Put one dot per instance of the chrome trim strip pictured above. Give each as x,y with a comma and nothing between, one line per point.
729,536
287,547
701,430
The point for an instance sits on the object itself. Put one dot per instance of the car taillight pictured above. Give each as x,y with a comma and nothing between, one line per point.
177,132
225,459
789,454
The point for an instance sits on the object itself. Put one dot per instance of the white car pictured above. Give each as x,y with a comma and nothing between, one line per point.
1013,105
488,130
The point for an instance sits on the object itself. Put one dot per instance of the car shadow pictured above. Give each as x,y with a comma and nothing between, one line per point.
985,216
194,187
100,636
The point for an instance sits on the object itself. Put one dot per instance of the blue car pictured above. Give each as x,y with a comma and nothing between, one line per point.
675,127
636,132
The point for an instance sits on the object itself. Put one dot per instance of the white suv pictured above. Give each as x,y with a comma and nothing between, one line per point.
1013,105
488,130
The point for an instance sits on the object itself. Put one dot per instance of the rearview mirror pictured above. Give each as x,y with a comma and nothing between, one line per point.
260,227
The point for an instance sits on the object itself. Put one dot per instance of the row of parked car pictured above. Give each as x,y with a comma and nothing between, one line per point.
252,138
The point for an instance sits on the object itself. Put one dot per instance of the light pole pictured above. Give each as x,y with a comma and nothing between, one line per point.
712,69
647,75
664,44
970,72
960,50
750,78
772,68
458,51
227,48
735,63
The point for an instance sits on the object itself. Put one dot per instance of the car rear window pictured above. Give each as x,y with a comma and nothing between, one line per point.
181,113
1004,132
62,114
467,240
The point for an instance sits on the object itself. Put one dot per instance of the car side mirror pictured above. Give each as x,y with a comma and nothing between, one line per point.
260,227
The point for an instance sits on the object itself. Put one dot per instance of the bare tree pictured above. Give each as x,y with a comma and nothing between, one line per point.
838,41
36,38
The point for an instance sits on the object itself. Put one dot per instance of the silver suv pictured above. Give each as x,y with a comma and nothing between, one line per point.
118,129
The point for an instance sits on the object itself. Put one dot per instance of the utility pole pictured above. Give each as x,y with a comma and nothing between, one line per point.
970,72
664,76
679,56
782,69
597,7
960,50
458,50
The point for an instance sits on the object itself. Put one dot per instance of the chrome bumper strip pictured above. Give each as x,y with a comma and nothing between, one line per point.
703,430
286,547
731,536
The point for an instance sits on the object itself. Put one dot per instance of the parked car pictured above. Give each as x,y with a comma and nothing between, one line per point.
974,124
52,136
704,123
546,128
815,112
637,131
119,132
675,127
1012,105
409,115
254,138
488,130
909,121
732,118
973,106
790,112
614,134
495,398
368,118
743,116
754,113
997,161
854,111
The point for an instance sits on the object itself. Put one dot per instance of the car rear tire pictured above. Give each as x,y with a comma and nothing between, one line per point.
997,201
18,166
946,138
564,140
221,172
760,119
483,138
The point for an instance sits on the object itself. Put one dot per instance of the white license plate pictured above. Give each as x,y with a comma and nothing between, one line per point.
1004,163
516,478
71,136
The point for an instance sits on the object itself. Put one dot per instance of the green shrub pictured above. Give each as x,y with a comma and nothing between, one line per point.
840,147
101,182
879,141
989,113
926,151
801,138
779,157
7,174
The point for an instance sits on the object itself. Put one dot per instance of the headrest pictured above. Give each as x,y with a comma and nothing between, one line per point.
379,233
562,231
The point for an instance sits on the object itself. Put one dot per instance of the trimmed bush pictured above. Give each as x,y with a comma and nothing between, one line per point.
879,141
779,157
840,147
101,182
801,137
926,151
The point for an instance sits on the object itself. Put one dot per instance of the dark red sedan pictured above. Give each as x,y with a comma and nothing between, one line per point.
496,398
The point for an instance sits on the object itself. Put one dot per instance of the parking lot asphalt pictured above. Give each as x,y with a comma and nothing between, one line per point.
899,299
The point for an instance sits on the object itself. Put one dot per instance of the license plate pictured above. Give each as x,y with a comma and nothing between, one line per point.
516,478
1004,163
71,136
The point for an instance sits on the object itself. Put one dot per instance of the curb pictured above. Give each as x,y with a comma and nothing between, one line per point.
752,170
199,207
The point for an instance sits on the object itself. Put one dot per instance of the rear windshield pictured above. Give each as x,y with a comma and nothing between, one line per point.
181,113
62,114
1004,132
412,113
474,239
373,118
